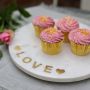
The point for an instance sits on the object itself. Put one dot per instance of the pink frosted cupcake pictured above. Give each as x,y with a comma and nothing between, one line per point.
42,22
66,25
80,41
51,41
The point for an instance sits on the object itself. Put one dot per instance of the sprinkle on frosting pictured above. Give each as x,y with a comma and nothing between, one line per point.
44,21
51,35
67,24
80,36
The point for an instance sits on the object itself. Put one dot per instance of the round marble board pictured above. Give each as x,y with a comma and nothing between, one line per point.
26,53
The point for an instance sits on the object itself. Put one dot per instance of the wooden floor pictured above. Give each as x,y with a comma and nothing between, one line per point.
26,3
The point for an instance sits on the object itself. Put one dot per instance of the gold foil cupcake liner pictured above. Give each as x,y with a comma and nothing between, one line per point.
51,48
80,50
37,30
66,37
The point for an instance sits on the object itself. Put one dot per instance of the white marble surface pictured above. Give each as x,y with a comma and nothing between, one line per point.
14,79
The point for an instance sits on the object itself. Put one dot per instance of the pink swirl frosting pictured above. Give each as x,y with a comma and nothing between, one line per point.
67,24
43,21
51,35
80,36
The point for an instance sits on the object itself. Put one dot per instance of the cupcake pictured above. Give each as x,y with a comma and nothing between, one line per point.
80,41
66,25
51,40
42,22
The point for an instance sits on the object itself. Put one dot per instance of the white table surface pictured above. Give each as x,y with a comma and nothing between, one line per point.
14,79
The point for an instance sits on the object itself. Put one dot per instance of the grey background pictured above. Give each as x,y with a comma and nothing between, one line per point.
12,78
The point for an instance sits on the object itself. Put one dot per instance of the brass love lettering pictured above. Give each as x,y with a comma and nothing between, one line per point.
18,54
36,65
17,48
27,59
48,69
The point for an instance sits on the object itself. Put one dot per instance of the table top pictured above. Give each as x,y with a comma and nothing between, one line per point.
12,78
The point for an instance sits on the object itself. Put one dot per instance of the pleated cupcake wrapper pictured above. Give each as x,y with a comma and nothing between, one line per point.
66,37
37,30
51,48
80,49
